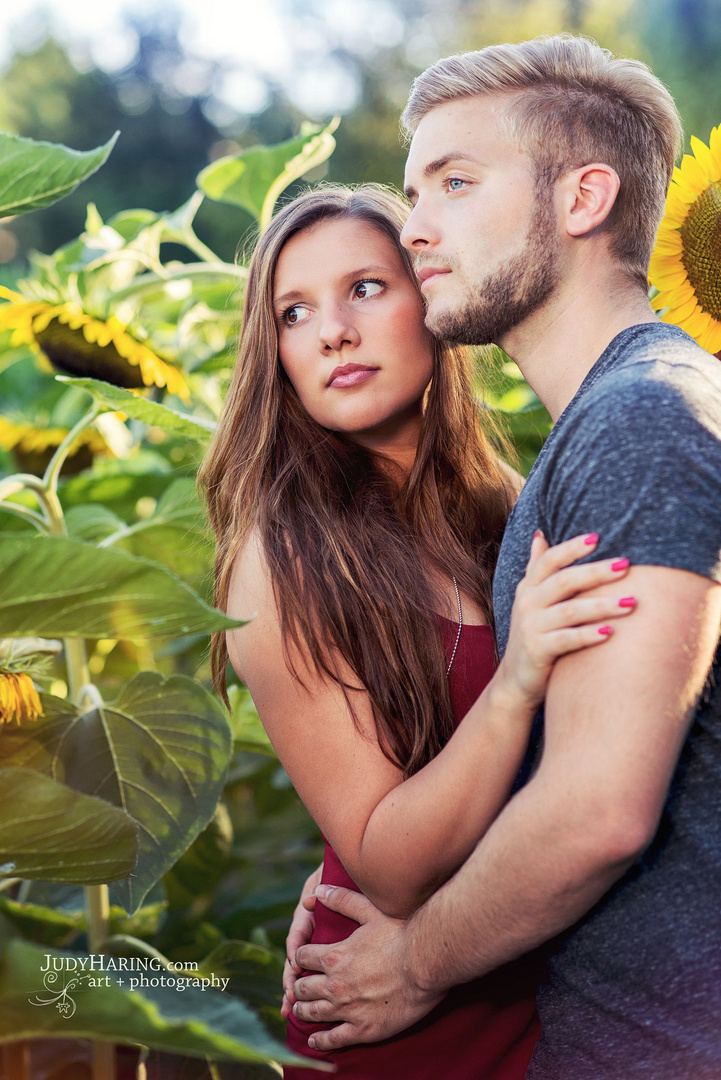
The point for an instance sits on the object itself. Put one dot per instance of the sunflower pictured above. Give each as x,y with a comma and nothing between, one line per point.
686,262
80,345
19,699
34,446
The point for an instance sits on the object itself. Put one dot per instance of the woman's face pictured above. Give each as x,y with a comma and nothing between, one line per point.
351,334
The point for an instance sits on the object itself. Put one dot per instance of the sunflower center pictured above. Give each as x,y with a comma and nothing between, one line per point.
701,234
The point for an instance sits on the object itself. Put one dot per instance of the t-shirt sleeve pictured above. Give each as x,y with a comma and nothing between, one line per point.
641,466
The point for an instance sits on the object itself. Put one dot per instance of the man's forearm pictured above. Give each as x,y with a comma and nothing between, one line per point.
533,874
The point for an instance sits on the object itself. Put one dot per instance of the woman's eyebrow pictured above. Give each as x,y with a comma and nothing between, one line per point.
352,275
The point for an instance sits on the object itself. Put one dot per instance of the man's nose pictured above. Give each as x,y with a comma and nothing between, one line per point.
337,329
419,233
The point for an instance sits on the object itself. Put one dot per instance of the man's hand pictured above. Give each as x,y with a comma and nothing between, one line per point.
300,933
363,986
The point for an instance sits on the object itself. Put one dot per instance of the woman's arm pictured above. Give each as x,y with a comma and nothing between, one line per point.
398,840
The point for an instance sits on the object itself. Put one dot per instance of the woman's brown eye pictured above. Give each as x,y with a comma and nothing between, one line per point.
364,289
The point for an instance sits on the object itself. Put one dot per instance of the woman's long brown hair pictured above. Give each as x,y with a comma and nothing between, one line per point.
346,544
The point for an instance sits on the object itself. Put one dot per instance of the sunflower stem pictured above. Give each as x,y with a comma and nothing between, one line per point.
194,244
140,946
50,479
11,485
90,691
97,906
25,512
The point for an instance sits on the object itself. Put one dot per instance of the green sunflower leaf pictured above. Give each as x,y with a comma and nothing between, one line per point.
53,833
150,412
37,174
160,752
52,586
197,1022
255,178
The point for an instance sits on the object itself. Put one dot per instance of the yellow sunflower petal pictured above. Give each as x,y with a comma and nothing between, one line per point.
18,698
15,297
680,312
684,192
711,338
715,148
669,242
704,158
693,176
22,335
667,278
43,319
697,323
97,333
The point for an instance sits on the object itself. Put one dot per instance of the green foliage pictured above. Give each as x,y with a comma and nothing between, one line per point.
160,751
58,587
255,178
119,556
37,174
68,836
149,412
194,1022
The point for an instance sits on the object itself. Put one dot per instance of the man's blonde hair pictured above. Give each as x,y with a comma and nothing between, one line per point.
575,103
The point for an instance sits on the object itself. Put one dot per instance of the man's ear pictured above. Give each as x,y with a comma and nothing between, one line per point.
587,196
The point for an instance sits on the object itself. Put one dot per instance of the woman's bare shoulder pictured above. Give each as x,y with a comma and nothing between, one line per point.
250,597
250,580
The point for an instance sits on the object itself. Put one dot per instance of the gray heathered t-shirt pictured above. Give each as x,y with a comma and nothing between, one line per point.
634,988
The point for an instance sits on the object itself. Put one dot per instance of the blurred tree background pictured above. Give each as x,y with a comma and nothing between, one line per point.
177,111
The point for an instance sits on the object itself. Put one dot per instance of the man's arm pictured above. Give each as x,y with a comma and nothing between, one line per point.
616,720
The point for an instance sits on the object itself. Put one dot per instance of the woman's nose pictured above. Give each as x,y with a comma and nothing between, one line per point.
336,330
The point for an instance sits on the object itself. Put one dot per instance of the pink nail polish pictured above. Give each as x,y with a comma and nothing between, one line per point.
592,538
537,533
627,601
620,564
605,630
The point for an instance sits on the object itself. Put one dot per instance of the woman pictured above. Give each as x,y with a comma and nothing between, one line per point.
358,506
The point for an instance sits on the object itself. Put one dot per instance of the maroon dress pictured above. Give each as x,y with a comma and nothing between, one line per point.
482,1030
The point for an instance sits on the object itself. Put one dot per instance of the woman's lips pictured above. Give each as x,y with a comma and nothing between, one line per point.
352,378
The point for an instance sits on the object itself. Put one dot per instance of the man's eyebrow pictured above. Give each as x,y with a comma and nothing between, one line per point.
352,275
440,163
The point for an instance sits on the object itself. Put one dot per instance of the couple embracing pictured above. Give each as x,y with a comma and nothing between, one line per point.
499,701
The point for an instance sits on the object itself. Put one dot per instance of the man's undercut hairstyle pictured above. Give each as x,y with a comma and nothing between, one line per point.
574,104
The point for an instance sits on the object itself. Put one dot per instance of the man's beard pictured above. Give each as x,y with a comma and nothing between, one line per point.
512,292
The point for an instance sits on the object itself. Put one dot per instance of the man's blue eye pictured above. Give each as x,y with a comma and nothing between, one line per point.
455,180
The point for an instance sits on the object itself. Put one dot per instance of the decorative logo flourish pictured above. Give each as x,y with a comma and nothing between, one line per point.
61,998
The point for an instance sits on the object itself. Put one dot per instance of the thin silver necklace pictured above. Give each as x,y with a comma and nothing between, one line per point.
460,626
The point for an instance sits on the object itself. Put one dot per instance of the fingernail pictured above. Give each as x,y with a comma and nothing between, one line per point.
537,533
592,538
627,601
605,630
311,1042
620,564
323,891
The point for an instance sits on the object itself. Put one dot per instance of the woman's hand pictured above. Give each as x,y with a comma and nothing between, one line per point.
300,933
551,616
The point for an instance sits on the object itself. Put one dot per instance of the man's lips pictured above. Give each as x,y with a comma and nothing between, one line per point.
350,375
428,273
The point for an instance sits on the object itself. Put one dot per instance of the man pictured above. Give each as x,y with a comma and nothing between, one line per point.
537,174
